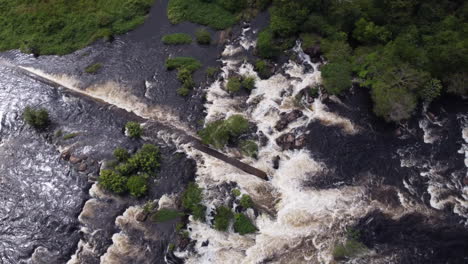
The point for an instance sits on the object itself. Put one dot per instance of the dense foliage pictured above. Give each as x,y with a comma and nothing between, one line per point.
133,129
222,218
60,26
133,172
37,118
406,51
219,133
177,39
192,201
243,225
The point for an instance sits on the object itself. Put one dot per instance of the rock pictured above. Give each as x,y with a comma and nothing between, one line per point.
276,161
290,141
263,139
205,243
83,167
465,181
286,118
167,202
315,53
141,216
65,155
74,159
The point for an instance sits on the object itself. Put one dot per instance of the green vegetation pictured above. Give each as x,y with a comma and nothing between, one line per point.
121,154
246,201
222,218
263,69
37,118
177,39
218,133
236,192
203,36
164,215
93,68
405,51
70,136
208,13
171,247
61,27
243,225
133,172
185,66
137,185
58,133
351,248
248,82
233,84
211,71
177,63
249,148
134,129
191,200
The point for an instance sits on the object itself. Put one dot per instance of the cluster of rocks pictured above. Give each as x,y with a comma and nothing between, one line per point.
286,118
291,141
81,163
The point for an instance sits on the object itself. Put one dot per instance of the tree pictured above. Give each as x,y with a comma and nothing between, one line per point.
369,33
133,129
336,77
222,218
121,154
37,118
431,90
192,201
266,47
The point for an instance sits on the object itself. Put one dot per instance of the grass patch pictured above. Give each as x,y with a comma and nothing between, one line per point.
164,215
203,36
61,27
70,136
37,118
93,68
201,12
177,39
178,63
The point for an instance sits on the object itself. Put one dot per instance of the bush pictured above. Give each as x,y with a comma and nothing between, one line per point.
236,192
233,84
248,82
191,200
126,169
93,68
243,225
188,63
112,181
207,13
336,77
211,71
164,215
134,129
266,47
219,132
137,185
263,69
121,154
146,159
203,36
246,201
37,118
177,39
222,218
61,27
249,148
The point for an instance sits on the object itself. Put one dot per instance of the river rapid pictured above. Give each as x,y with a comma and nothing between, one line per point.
403,187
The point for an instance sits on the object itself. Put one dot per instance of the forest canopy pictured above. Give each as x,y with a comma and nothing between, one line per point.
405,51
61,26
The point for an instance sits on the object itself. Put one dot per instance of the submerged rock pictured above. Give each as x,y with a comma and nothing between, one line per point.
276,161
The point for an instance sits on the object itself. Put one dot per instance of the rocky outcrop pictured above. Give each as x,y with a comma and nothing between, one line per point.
286,118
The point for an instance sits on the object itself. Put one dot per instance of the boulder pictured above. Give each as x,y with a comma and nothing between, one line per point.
75,159
83,167
286,118
291,141
276,161
141,216
65,155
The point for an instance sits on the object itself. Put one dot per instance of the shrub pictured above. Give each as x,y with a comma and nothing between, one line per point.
219,132
249,148
263,69
183,91
126,169
137,185
164,215
37,118
146,159
121,154
70,136
243,225
203,36
233,84
112,181
236,192
191,200
188,63
134,129
211,71
266,47
248,82
177,39
246,201
222,218
93,68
